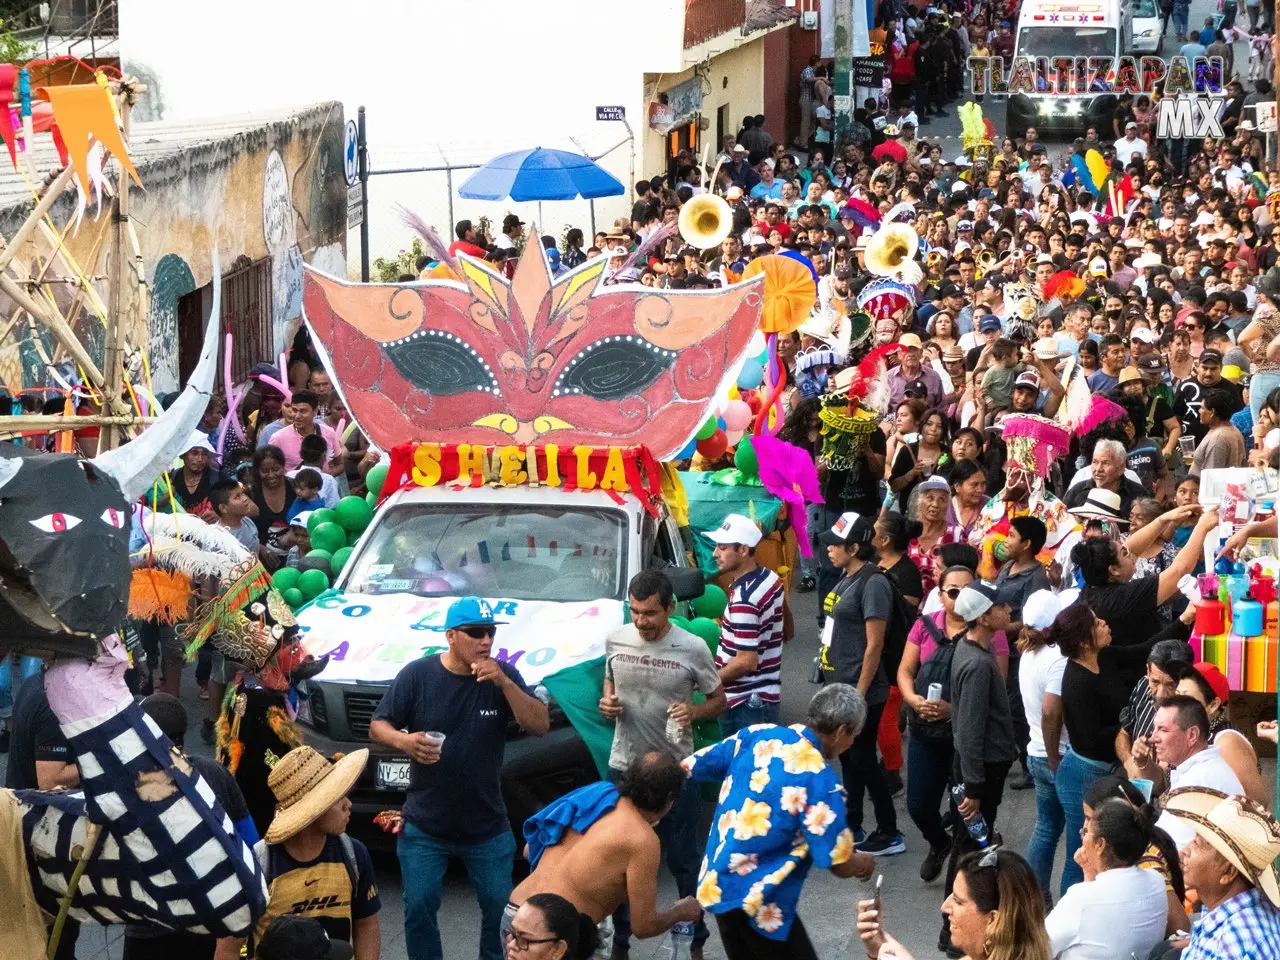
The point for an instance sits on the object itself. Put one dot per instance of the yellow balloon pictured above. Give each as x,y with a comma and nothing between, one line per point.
1099,169
733,392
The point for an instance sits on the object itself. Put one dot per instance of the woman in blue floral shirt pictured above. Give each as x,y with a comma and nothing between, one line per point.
781,810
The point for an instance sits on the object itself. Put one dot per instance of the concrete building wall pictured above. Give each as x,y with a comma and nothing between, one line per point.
271,191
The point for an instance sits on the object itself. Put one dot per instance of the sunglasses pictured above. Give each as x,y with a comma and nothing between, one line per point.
952,592
478,632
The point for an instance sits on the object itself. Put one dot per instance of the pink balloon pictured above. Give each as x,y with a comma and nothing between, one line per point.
734,436
737,415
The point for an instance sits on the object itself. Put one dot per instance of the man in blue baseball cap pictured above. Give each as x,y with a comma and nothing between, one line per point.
449,713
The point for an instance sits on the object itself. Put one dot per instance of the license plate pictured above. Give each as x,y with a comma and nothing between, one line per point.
393,774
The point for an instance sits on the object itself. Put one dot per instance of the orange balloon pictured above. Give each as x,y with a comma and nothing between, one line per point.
789,292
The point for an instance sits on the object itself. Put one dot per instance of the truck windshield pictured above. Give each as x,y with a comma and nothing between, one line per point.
1053,42
515,551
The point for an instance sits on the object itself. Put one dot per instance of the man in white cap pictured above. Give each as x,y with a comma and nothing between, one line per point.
1231,864
981,719
912,368
749,658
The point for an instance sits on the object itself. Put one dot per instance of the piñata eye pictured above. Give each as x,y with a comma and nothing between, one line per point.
614,368
113,518
439,363
56,522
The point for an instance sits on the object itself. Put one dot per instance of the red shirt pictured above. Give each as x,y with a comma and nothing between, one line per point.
467,247
781,226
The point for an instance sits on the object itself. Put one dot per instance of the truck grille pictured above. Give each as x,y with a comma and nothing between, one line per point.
319,711
360,710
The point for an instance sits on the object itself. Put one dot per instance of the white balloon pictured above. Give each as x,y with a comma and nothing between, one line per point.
757,344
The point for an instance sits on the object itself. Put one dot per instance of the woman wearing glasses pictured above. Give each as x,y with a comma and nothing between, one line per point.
995,911
549,927
930,746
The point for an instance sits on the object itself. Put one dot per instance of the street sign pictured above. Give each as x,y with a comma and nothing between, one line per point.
355,206
1266,113
351,152
611,113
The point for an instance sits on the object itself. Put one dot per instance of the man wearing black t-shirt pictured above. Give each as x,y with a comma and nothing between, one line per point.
1190,393
455,707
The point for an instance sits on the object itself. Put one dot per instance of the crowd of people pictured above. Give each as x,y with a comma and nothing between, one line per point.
1011,385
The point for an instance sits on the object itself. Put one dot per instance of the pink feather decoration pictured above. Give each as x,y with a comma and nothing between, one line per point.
1101,411
789,474
1047,440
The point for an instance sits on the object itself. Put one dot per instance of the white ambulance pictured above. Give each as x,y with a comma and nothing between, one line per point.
1066,28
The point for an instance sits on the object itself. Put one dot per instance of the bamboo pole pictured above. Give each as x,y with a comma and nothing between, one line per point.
56,325
111,358
35,218
53,424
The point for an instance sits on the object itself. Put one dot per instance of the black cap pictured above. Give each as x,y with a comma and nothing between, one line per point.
916,387
295,938
850,528
948,290
511,220
1211,355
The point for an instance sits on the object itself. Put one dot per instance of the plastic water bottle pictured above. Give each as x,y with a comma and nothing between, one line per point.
977,824
680,940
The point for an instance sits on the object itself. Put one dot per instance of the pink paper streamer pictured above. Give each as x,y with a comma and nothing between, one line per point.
789,474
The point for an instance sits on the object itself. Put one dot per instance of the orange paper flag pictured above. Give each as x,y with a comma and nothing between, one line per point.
84,112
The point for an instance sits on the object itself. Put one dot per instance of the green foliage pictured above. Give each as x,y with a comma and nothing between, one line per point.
12,49
390,270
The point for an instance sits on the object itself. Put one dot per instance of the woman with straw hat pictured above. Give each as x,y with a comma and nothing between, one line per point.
313,869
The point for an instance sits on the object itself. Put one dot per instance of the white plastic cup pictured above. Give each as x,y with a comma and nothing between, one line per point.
436,737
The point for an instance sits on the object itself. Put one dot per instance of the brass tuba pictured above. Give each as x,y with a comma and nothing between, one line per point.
890,250
705,221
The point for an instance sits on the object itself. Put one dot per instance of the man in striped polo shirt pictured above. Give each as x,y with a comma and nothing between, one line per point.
749,659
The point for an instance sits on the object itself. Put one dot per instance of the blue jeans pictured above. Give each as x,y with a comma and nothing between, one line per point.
1263,382
682,848
928,777
1181,12
15,669
1075,775
744,715
423,859
1050,820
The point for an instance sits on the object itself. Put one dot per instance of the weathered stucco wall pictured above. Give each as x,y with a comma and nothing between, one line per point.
273,190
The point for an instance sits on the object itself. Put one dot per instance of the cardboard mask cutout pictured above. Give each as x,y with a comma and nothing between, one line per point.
64,524
534,359
64,550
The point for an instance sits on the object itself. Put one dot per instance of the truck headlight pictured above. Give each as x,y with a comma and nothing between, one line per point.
1073,108
1046,108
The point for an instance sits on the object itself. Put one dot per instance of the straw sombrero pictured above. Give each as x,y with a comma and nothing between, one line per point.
306,785
1240,829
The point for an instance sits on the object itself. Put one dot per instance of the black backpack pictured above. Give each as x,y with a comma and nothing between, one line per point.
937,669
896,630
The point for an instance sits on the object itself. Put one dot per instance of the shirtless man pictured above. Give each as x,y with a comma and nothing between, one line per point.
616,857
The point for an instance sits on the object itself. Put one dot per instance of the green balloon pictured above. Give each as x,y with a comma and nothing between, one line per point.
294,598
326,555
323,515
285,578
371,498
712,602
375,478
745,458
354,514
681,622
340,558
353,536
708,630
708,429
313,583
328,536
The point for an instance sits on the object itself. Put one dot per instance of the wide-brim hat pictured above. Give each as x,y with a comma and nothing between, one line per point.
1101,505
1240,829
306,785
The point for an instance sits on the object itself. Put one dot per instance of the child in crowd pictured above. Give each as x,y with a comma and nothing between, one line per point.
297,538
313,452
997,382
306,487
1188,493
234,510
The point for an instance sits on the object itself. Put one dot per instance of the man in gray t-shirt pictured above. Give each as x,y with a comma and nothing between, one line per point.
652,670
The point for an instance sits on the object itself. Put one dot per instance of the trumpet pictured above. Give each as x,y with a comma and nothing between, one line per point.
934,259
985,261
705,221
